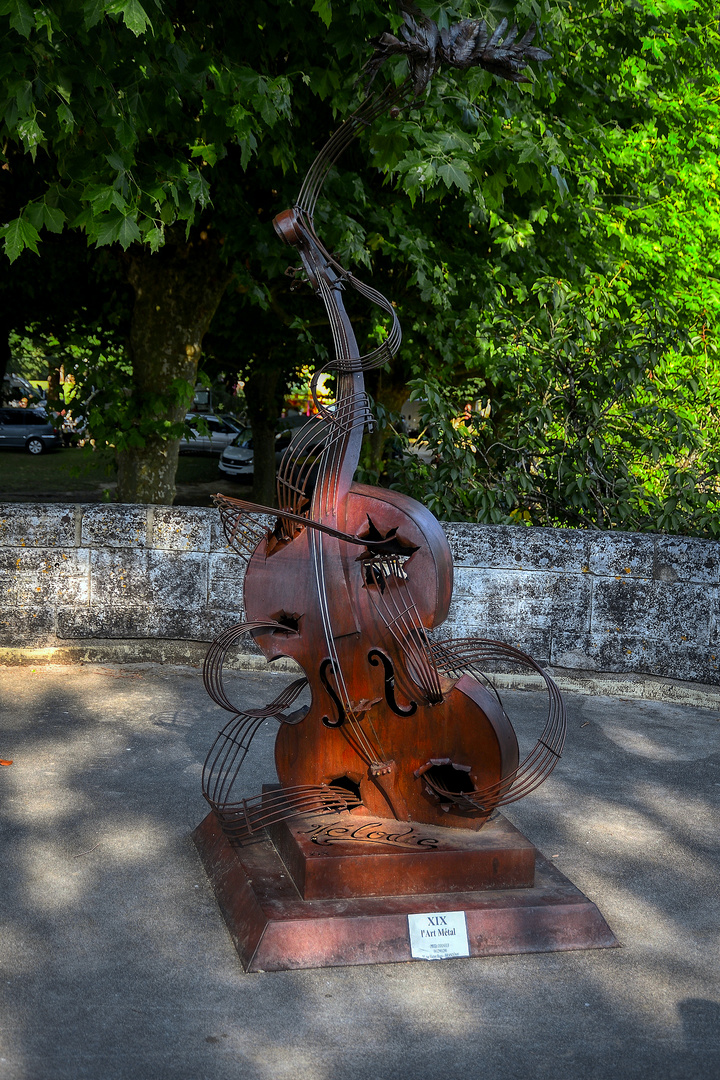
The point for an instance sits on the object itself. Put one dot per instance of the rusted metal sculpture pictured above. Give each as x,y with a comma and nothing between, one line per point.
349,580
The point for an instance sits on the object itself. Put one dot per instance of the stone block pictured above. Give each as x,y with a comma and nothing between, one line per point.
536,643
715,621
100,622
72,562
217,536
515,547
36,525
155,622
574,651
684,558
624,653
162,579
624,606
25,625
472,545
618,554
182,528
120,526
217,622
497,591
688,661
226,574
653,609
482,599
44,576
685,612
459,624
548,600
485,601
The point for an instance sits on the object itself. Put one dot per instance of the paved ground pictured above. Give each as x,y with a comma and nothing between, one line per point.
115,963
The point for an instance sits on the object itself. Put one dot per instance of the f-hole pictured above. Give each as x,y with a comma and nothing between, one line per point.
376,657
327,721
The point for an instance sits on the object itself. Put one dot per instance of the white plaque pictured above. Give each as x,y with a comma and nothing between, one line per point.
438,935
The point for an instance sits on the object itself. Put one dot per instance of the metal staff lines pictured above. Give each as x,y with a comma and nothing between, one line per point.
339,142
241,819
390,594
372,752
466,656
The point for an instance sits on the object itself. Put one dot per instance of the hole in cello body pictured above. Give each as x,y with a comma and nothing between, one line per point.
291,621
353,789
450,777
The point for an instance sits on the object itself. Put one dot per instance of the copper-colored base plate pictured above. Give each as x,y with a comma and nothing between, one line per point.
274,929
338,856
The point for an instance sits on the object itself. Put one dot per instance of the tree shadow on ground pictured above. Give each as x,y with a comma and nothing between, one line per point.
115,961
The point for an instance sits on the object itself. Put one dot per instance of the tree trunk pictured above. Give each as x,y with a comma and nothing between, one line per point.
6,329
177,291
264,389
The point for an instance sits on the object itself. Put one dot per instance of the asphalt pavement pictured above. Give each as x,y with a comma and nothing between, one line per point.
115,962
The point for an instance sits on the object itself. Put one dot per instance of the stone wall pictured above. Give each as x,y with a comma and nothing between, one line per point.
591,601
136,582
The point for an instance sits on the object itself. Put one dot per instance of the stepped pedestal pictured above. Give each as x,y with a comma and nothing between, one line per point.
337,889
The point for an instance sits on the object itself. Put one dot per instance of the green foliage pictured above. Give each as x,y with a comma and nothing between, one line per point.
30,357
551,246
591,414
97,386
128,109
116,417
572,288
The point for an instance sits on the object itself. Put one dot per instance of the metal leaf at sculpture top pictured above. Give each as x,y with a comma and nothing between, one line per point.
466,44
350,581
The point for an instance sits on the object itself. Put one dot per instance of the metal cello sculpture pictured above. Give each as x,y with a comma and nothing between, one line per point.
349,581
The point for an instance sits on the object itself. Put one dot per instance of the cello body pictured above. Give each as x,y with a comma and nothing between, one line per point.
468,728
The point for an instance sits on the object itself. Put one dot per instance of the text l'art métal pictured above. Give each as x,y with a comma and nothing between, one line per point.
441,929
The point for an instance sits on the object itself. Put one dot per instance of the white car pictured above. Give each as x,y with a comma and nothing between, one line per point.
237,459
221,432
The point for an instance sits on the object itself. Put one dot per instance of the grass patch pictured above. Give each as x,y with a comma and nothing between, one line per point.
197,469
71,469
83,469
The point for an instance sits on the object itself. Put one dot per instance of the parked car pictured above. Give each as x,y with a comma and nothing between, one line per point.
222,430
15,388
237,459
28,428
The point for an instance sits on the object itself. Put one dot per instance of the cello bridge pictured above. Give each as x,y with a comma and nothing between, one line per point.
382,768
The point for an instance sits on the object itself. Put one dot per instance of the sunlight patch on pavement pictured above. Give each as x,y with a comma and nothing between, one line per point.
641,745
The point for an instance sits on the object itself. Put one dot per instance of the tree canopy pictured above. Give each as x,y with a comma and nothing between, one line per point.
542,241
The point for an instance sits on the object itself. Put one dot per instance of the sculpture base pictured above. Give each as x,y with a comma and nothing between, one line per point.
275,929
349,855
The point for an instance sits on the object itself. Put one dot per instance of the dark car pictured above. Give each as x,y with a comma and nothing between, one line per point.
28,428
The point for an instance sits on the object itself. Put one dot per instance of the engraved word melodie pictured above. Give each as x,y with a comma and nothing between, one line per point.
370,832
